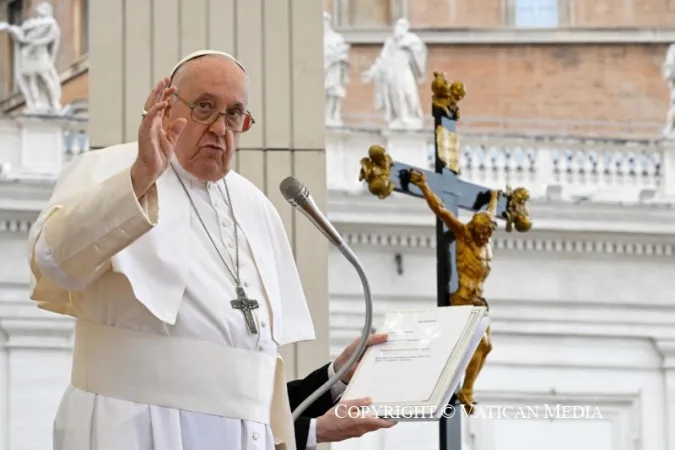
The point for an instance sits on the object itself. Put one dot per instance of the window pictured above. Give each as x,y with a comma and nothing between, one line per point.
364,14
536,13
15,12
14,17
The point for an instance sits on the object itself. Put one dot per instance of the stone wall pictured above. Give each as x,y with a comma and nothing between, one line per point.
536,86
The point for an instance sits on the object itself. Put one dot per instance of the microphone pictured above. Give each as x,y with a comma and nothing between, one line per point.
299,197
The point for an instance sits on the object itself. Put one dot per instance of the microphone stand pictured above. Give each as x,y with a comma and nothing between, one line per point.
361,347
327,229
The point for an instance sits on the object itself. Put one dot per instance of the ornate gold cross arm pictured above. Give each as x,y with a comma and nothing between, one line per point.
383,176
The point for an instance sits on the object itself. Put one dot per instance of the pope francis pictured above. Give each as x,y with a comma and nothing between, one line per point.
183,285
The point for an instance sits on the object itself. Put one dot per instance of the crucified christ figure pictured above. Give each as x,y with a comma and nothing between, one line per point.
474,256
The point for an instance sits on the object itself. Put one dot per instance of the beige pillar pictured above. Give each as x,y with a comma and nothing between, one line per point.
134,43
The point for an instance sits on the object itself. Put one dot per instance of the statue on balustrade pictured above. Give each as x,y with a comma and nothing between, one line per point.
336,71
396,73
36,43
669,76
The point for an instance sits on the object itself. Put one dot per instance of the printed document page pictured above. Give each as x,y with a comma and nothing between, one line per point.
408,366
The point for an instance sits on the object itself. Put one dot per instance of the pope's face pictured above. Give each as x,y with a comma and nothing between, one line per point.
205,150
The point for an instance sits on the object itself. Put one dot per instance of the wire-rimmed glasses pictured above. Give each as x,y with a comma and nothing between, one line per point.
205,112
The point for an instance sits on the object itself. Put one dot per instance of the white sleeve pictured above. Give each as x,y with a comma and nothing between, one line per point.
338,388
311,437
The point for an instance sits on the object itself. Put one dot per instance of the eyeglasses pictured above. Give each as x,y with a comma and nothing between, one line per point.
206,113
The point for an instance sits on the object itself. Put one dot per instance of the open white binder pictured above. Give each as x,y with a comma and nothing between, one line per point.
415,373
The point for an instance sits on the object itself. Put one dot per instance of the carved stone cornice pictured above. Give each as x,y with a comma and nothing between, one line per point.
514,35
591,228
667,350
21,202
24,325
599,245
42,333
550,215
15,225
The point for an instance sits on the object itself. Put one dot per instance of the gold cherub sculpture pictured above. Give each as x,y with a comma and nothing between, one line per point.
517,212
445,96
473,259
376,171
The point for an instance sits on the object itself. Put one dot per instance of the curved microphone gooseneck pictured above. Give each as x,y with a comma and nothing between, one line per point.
298,196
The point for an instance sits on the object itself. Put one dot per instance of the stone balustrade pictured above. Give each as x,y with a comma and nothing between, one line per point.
551,167
75,137
556,168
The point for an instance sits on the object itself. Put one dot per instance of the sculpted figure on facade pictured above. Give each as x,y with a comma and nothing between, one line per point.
669,76
36,44
396,73
336,71
376,171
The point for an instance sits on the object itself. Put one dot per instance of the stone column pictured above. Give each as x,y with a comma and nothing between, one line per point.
667,349
35,354
134,43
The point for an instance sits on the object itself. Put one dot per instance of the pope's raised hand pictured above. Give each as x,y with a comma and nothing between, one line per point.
157,91
156,139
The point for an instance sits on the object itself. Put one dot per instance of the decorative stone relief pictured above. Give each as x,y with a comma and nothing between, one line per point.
395,74
36,44
336,71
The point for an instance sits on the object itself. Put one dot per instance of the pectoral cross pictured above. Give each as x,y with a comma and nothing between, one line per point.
246,305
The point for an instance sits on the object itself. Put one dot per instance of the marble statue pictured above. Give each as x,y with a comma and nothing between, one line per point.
669,76
36,44
336,71
396,73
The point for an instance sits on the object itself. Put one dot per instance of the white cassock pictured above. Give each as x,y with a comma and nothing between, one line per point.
162,361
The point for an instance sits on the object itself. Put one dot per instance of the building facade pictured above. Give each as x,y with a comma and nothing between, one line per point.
564,97
535,65
563,66
72,51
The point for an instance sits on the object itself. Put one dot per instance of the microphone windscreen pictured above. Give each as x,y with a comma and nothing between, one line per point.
291,189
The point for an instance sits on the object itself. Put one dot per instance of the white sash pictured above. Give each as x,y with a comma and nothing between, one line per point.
184,374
